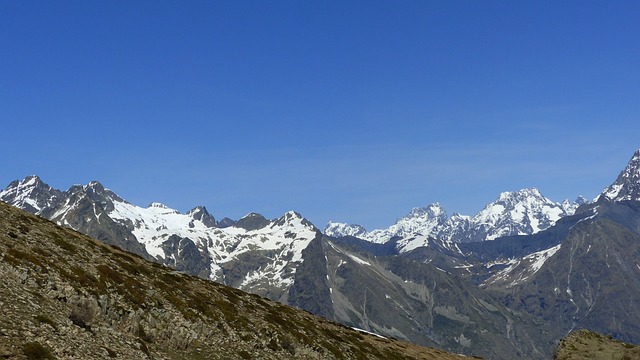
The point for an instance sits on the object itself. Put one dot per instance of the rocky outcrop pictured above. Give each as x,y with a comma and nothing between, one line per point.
584,344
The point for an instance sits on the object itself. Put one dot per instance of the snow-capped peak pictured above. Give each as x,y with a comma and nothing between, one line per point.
197,211
528,194
292,215
293,219
30,194
520,212
28,183
289,217
336,229
627,185
200,213
31,180
434,210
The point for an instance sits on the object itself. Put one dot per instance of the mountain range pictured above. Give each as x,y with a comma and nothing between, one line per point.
522,212
506,283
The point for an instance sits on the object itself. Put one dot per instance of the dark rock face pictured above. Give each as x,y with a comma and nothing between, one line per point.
183,255
310,289
200,213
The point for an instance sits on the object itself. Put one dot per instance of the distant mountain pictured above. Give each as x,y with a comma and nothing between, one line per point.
522,212
67,296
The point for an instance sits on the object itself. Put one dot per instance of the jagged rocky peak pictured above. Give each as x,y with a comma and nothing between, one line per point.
95,186
337,229
92,187
524,200
201,214
252,221
520,212
31,194
520,195
95,191
33,181
29,183
429,216
627,185
430,211
293,218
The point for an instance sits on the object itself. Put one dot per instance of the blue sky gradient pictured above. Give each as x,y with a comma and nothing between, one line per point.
350,111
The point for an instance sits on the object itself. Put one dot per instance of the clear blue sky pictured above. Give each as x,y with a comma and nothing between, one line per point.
351,111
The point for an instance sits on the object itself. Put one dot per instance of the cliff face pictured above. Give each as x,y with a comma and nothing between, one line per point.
65,295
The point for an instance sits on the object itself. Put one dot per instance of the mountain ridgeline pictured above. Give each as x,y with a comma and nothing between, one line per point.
506,283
